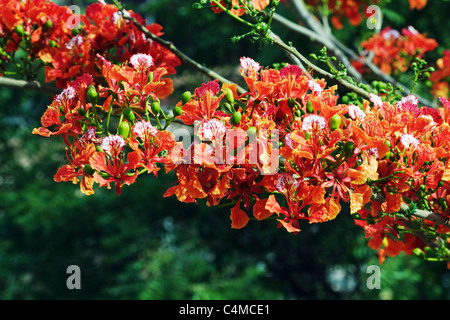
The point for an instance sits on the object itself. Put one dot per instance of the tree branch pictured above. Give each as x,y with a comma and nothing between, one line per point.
277,41
424,214
183,57
29,85
319,34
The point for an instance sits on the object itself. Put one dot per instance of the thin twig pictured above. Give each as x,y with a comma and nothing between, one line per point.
183,57
277,41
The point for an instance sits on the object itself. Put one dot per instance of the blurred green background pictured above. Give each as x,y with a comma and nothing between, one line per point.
143,246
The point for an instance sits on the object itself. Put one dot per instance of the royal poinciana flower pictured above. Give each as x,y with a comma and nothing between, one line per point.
323,154
111,165
394,51
68,44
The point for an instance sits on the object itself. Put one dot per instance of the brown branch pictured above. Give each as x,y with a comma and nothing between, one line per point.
424,214
319,34
29,85
277,41
183,57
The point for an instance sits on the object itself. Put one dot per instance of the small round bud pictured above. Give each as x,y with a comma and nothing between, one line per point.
229,95
88,169
185,97
124,129
48,24
335,122
251,133
177,111
309,107
291,103
19,30
156,107
236,117
92,95
128,114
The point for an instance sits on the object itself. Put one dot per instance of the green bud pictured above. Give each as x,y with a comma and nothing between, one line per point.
440,183
291,103
236,117
426,75
185,97
19,30
92,94
229,96
104,175
156,107
81,112
309,107
388,143
124,129
99,149
345,99
335,122
88,169
128,114
228,107
177,111
251,133
418,252
52,43
48,24
75,31
349,148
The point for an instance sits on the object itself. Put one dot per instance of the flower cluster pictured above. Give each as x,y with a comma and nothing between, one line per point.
285,149
394,51
350,10
95,154
440,78
67,44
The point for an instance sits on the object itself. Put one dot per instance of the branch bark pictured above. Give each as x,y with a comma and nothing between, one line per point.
183,57
29,85
319,33
424,214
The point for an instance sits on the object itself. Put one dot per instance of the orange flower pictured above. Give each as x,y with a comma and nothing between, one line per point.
417,4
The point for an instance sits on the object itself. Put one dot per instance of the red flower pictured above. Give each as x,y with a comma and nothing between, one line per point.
111,165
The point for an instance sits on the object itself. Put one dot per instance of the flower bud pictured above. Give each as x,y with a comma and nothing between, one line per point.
19,30
48,24
229,95
309,107
92,94
124,129
228,107
291,103
177,111
185,97
236,117
88,169
75,31
156,107
128,114
335,122
251,133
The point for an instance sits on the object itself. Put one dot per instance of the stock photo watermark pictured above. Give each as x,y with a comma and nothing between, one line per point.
374,280
74,280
